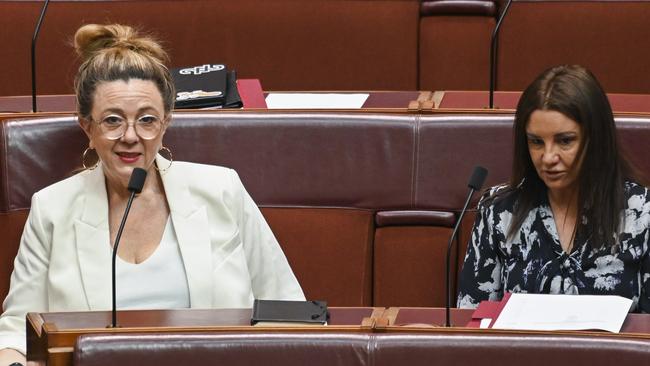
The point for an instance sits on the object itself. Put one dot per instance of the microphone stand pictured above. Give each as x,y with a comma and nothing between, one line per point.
136,182
451,242
475,183
117,243
493,51
36,31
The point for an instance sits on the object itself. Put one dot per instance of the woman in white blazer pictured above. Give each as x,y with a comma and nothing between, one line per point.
194,237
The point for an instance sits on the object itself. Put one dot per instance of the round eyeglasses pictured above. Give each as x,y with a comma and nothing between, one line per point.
147,127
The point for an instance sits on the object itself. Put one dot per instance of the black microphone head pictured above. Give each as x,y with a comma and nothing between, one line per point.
478,178
137,180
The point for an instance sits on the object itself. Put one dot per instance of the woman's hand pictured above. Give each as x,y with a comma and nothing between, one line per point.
9,356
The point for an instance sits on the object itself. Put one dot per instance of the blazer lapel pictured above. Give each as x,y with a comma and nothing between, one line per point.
93,242
190,222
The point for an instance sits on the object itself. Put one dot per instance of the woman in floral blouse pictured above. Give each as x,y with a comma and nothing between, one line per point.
574,218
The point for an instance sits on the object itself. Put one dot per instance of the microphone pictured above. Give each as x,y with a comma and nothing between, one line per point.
36,31
136,182
493,51
475,184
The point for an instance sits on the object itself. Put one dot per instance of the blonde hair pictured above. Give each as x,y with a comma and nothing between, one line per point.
117,52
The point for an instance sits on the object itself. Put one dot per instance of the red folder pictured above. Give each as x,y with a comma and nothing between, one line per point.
250,91
488,309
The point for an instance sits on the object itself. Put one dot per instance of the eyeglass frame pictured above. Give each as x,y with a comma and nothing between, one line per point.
133,124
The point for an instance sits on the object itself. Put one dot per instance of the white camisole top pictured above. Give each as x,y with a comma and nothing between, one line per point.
160,282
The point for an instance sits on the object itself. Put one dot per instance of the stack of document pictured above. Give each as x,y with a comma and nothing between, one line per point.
316,100
553,312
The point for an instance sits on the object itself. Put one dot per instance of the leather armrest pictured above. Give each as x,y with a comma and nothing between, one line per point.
458,7
406,217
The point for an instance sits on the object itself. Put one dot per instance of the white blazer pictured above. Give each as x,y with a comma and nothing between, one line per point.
64,261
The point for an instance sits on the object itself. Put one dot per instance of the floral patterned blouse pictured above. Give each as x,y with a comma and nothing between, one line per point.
533,261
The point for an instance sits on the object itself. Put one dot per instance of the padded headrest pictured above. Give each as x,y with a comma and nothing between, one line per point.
374,349
356,160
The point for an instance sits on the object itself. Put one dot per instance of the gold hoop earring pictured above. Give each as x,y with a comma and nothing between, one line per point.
83,159
171,159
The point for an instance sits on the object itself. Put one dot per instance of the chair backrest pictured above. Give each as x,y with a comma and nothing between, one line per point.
371,349
223,349
319,178
311,45
507,350
363,204
539,34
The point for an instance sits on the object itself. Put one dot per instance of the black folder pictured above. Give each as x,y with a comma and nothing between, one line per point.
282,312
200,86
233,99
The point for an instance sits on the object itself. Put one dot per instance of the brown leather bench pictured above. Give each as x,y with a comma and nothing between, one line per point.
602,35
454,44
348,45
362,204
410,256
319,179
357,349
287,44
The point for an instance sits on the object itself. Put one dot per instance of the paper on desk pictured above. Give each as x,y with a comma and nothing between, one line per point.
315,100
563,312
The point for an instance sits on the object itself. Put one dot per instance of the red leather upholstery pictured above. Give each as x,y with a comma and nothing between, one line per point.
458,7
348,45
223,349
605,36
362,204
454,44
507,350
314,175
357,349
289,45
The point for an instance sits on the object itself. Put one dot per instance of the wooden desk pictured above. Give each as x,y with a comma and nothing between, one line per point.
412,319
377,100
507,101
45,103
51,336
404,101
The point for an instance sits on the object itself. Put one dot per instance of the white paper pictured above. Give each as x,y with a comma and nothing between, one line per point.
315,100
563,312
485,323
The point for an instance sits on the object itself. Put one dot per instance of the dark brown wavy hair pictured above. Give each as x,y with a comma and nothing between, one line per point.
574,92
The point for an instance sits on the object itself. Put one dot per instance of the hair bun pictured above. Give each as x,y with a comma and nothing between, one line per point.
91,39
118,52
